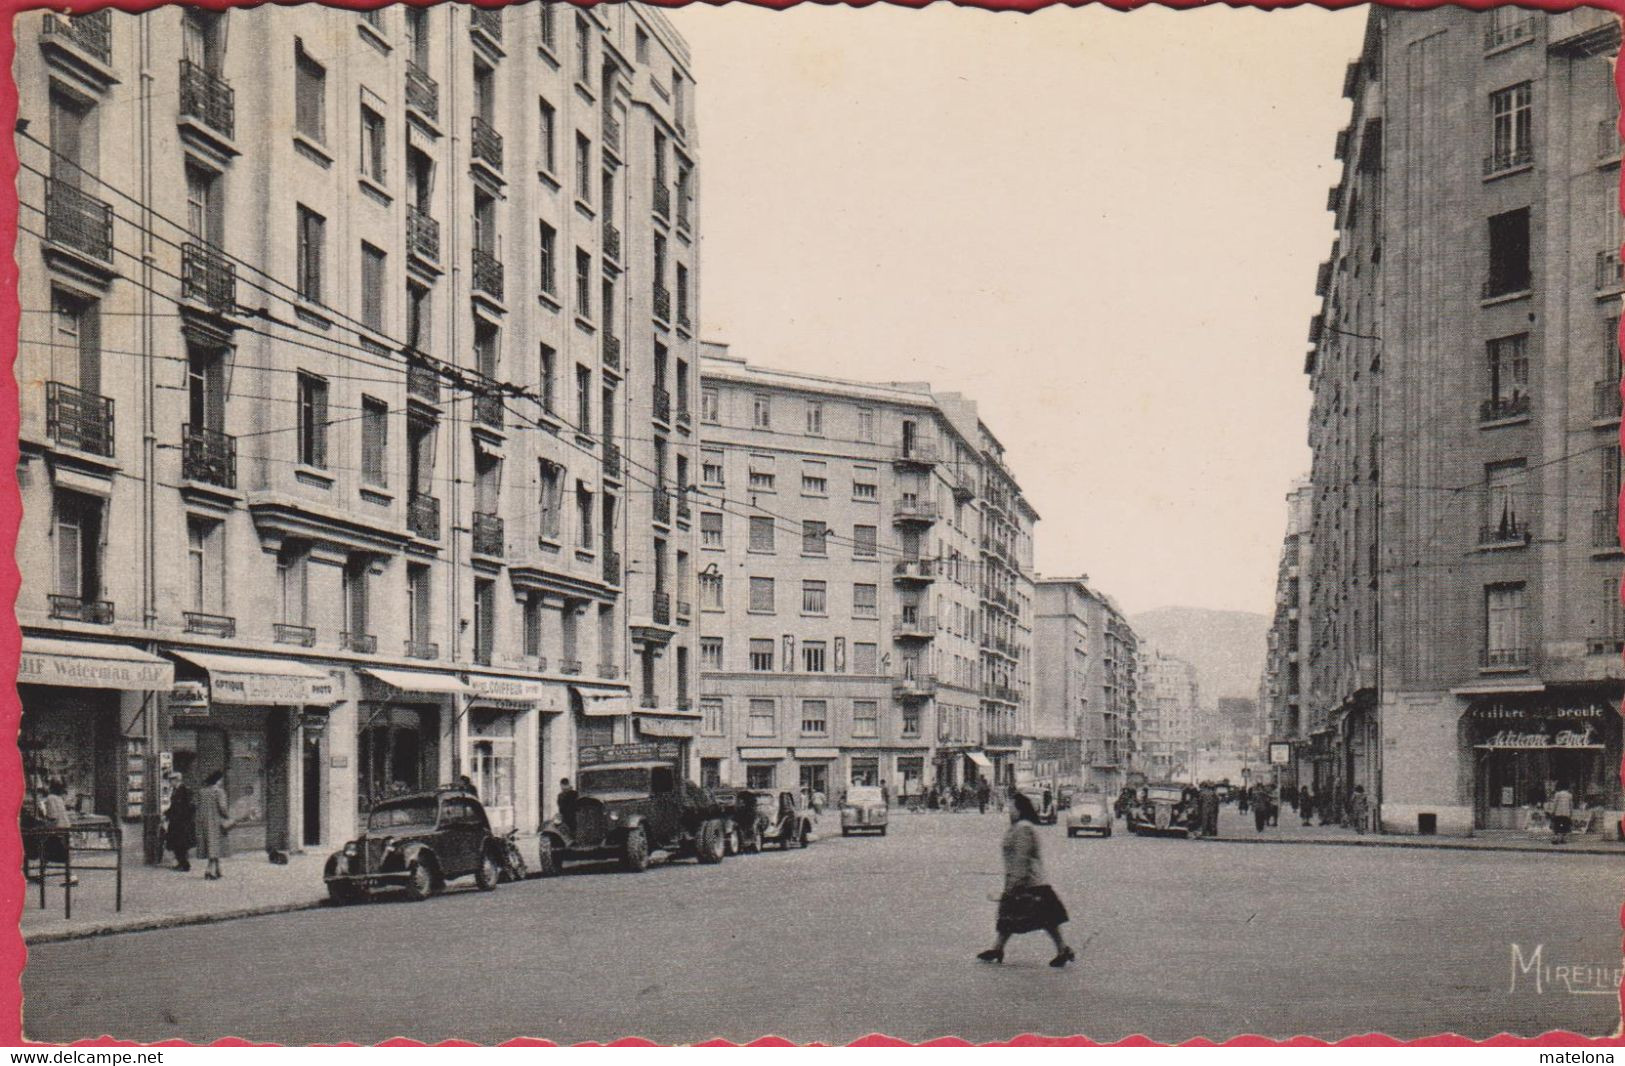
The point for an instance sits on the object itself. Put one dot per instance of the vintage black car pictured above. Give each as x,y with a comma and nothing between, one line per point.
416,843
1162,807
631,802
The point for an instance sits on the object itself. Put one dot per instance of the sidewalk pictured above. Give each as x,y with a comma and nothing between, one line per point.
157,897
1235,827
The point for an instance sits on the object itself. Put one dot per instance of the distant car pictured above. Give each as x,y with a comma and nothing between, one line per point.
1161,808
788,823
416,843
863,811
1046,810
1089,812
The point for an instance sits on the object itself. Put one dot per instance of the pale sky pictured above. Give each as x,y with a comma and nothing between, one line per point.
1103,227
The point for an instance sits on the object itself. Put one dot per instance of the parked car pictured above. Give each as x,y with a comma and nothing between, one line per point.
863,811
1043,802
787,823
745,820
1164,807
1089,812
416,843
630,804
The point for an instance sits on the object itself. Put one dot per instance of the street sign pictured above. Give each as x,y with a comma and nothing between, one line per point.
1280,753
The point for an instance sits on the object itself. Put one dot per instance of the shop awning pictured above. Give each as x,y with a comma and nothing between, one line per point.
420,681
668,727
276,682
604,704
979,759
88,664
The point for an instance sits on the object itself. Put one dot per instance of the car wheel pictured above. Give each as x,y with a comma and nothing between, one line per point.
713,843
1108,832
419,880
342,894
488,874
547,858
635,852
882,830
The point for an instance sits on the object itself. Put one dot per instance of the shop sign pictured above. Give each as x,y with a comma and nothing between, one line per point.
599,754
1580,737
36,668
1280,752
506,688
189,698
284,689
1502,712
313,724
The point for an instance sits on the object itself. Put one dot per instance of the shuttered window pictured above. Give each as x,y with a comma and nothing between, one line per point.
372,287
312,420
310,95
374,442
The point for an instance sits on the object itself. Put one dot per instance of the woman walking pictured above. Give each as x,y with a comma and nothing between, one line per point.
1028,902
213,821
181,834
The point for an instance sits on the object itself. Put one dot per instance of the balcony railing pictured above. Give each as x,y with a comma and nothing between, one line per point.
685,510
916,511
78,220
612,350
662,302
648,701
612,241
662,200
303,636
608,671
612,567
423,515
487,274
685,609
1608,143
662,400
209,277
914,570
916,452
422,235
422,649
488,534
662,608
1510,157
684,417
1003,740
569,666
78,609
487,21
214,625
1605,405
422,382
91,33
78,419
1507,531
612,131
364,643
1508,33
1605,529
914,628
1503,659
685,703
612,459
485,143
1610,274
914,688
422,92
208,456
489,411
206,97
662,505
1499,409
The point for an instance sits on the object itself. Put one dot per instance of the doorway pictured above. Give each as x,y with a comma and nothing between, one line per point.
311,776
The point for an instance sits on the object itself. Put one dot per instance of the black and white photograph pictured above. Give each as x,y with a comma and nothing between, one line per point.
703,523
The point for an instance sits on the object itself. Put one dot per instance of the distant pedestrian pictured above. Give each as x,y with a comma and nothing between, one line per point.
566,804
1306,804
1028,902
1274,804
984,793
180,835
1244,801
1208,800
885,795
214,822
1359,809
1562,808
1261,807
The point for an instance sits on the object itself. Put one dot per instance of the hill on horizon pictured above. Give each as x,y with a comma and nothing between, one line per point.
1226,647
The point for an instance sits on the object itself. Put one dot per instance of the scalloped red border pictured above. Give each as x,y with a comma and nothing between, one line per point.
14,954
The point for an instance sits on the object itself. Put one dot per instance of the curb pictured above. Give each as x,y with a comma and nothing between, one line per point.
1379,842
173,922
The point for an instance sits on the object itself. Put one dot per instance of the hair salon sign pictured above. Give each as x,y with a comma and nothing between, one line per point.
1541,726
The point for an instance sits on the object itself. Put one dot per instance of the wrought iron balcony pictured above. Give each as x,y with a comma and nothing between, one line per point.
1605,405
487,21
364,643
1503,659
909,570
78,419
684,417
1508,158
1508,33
283,633
77,220
1610,274
422,92
1003,740
78,609
662,608
208,456
1605,529
662,505
488,534
922,687
662,400
487,274
1608,143
422,649
488,410
423,515
422,235
662,200
422,382
612,241
214,625
612,567
1499,409
915,511
919,628
964,485
923,453
485,143
209,277
612,459
569,666
1509,531
91,33
662,302
206,97
608,671
612,131
612,350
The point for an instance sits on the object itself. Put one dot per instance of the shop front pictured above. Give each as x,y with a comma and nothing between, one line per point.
1527,747
513,737
815,771
679,727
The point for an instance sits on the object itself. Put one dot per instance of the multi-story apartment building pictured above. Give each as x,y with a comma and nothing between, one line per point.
1281,689
344,461
1110,687
1062,648
1165,714
840,584
1465,621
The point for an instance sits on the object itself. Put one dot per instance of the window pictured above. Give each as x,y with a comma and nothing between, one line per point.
641,45
1508,359
76,352
864,545
711,591
583,168
814,717
547,375
547,257
710,653
206,564
583,51
710,529
712,722
417,318
865,483
417,36
685,195
485,596
678,100
763,720
814,537
1503,625
761,595
762,411
78,546
813,659
814,597
550,499
761,473
310,95
761,775
711,468
550,29
865,718
1509,254
356,578
864,659
312,229
710,406
1511,119
583,283
418,605
866,424
547,132
761,533
374,146
583,515
682,295
293,589
584,398
814,478
864,601
815,419
372,288
911,722
761,655
1503,519
374,442
312,420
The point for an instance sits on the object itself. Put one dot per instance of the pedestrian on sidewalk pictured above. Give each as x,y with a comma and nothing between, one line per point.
1359,809
566,804
180,836
54,810
1028,902
1562,808
1306,805
1244,801
1261,807
1207,799
1274,802
214,821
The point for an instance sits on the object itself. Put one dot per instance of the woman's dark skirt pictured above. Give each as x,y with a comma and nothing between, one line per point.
1025,910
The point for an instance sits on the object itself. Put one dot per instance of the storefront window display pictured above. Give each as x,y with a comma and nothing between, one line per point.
1523,753
397,750
491,762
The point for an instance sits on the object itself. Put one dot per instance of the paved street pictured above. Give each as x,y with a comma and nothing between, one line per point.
851,936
